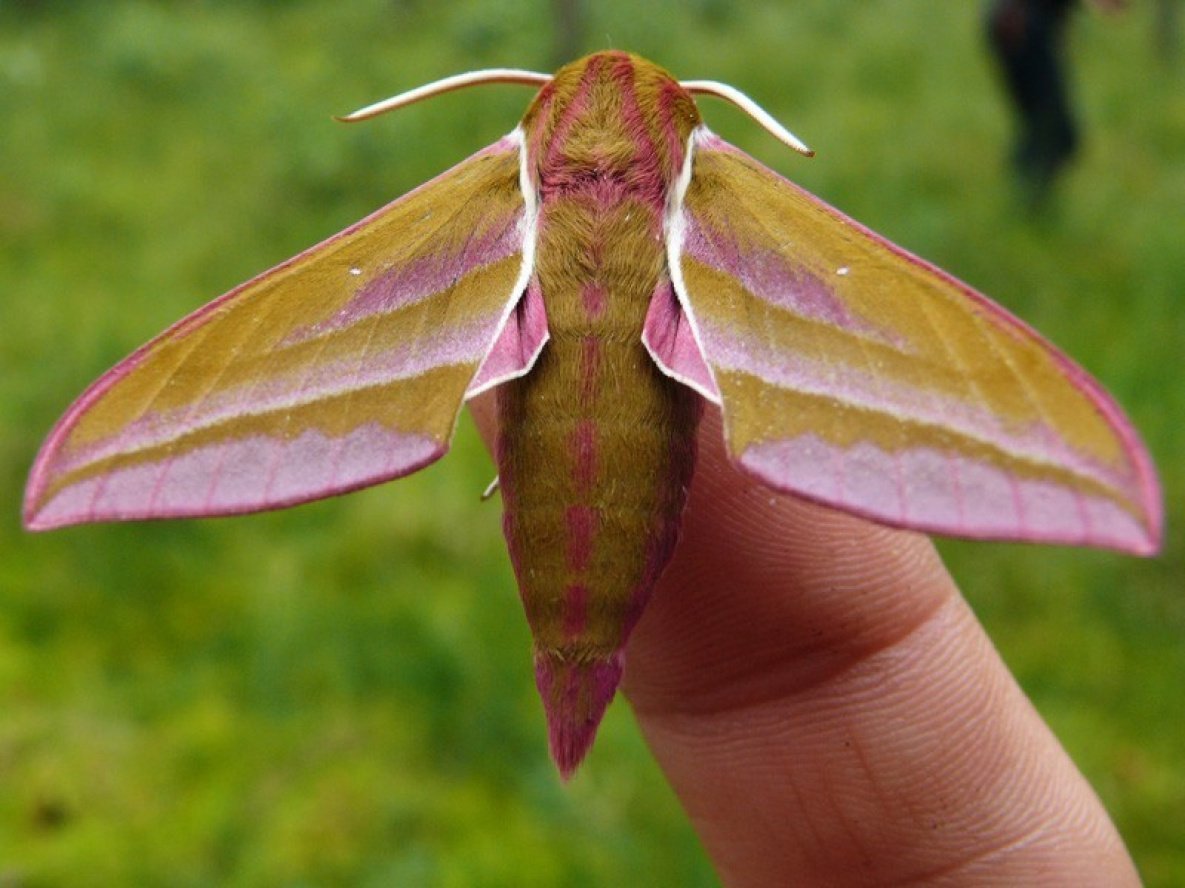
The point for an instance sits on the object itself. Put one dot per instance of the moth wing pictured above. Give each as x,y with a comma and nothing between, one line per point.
343,367
853,373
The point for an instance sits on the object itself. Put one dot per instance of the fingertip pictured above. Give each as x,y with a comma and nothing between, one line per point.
760,577
827,707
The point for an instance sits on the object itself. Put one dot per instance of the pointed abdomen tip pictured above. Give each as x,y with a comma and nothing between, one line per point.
575,695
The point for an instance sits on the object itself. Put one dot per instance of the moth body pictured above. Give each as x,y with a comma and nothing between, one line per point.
597,445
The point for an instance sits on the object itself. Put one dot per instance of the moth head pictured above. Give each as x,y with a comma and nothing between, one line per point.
653,84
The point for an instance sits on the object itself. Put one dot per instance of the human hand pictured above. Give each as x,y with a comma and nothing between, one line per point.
830,712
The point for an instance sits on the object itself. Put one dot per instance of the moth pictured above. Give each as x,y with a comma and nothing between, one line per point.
609,266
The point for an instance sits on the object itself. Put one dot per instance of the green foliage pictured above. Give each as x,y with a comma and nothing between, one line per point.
341,693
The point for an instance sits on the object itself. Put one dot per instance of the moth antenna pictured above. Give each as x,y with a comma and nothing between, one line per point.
746,104
447,84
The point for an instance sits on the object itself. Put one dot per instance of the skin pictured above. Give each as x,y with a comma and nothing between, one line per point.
830,712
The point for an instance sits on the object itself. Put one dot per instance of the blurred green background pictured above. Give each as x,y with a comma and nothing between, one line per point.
341,693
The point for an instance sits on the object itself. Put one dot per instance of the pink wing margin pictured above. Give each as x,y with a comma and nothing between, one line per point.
855,374
343,367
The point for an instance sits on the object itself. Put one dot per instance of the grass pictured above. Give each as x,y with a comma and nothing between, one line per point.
341,693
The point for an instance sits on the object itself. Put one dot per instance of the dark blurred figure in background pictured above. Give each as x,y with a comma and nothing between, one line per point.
1028,39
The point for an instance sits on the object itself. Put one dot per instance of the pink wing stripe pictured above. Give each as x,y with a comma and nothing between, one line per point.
778,279
510,144
925,489
857,388
517,346
421,279
331,379
670,340
237,476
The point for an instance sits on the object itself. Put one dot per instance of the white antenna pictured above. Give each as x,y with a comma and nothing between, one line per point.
448,84
746,104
